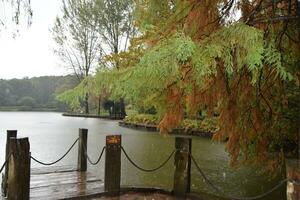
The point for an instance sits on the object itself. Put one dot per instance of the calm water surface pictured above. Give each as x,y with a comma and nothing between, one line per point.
50,134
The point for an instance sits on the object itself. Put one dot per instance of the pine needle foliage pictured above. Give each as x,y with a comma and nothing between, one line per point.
227,71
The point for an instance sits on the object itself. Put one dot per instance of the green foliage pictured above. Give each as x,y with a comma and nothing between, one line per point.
273,58
74,97
159,67
205,125
239,47
142,119
185,48
152,13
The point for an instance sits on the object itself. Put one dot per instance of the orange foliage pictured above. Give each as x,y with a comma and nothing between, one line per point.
174,114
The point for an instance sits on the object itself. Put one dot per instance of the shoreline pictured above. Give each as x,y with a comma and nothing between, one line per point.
145,127
178,131
92,116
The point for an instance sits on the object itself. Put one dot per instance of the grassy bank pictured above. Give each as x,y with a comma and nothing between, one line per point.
205,125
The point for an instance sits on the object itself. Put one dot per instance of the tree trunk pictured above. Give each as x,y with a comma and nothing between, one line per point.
114,111
122,108
99,106
86,103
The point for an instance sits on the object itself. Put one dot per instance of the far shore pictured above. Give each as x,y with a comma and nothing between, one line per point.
113,117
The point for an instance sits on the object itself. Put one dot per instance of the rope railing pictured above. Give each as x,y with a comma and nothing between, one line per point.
221,192
143,169
89,159
84,156
62,157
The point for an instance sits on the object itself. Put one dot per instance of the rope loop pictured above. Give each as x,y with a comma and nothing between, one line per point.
5,163
89,159
143,169
52,163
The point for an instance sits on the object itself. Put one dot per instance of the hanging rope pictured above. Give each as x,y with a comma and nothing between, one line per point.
5,163
222,193
143,169
89,159
52,163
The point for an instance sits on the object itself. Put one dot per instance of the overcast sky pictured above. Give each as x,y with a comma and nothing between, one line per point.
31,53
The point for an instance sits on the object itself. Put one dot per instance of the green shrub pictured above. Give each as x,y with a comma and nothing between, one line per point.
205,125
142,119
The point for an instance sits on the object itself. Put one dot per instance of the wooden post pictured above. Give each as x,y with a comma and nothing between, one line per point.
9,134
112,163
19,169
293,176
82,148
182,175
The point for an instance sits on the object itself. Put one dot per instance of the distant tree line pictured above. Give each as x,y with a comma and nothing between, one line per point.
38,93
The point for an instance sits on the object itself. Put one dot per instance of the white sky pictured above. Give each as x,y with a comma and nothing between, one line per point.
31,53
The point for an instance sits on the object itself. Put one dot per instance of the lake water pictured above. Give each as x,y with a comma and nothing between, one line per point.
51,134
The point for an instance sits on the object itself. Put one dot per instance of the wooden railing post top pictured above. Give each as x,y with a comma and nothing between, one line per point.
184,136
83,130
23,142
113,140
183,143
11,133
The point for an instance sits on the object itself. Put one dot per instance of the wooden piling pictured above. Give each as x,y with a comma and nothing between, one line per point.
9,134
19,169
182,162
82,150
112,164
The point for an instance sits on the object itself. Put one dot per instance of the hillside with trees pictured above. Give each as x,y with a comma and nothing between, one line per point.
38,93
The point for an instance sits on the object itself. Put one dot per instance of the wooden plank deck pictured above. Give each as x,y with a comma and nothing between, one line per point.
63,183
54,183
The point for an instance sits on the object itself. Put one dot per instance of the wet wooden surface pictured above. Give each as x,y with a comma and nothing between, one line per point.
63,183
51,183
142,196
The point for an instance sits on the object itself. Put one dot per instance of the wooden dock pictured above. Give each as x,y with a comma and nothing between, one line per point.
49,183
66,182
21,182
